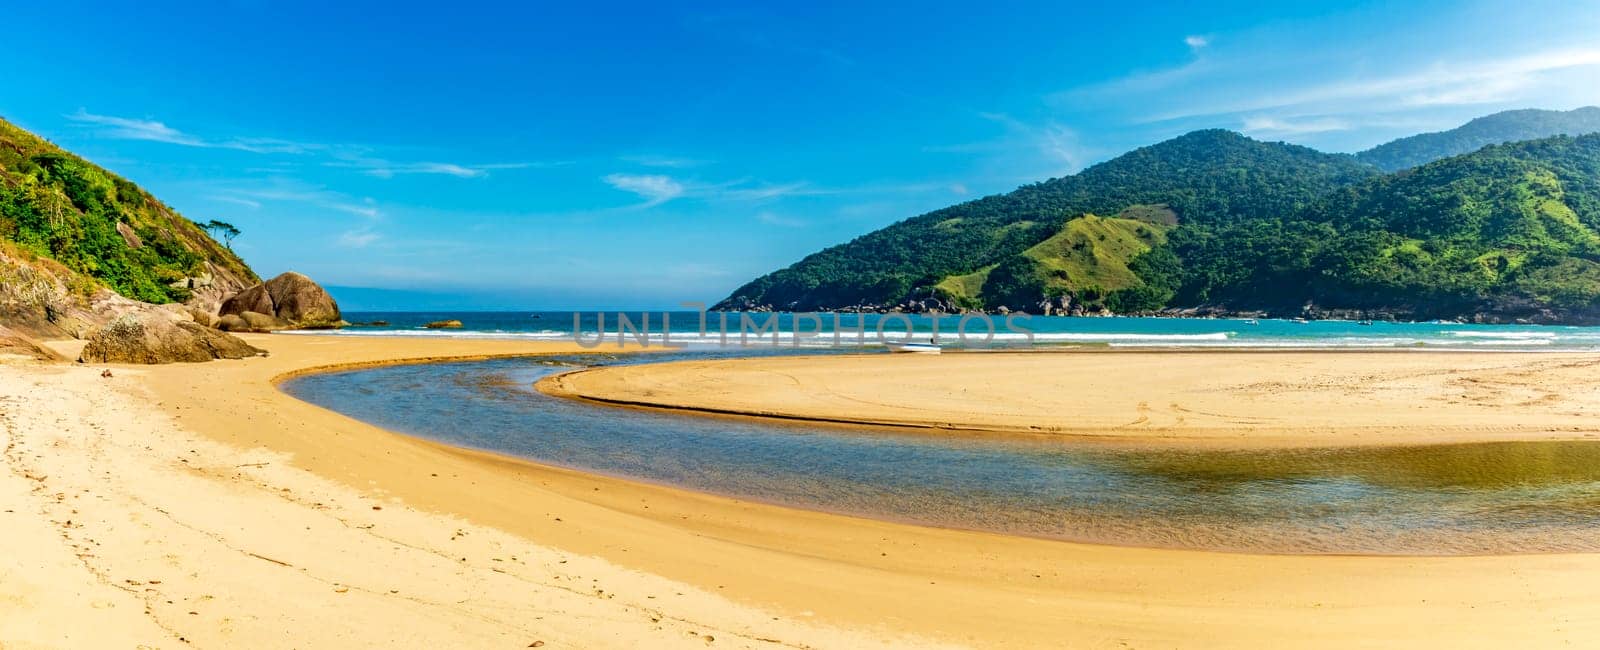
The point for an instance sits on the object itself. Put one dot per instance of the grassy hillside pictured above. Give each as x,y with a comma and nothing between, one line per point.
1507,126
58,206
1205,177
1088,259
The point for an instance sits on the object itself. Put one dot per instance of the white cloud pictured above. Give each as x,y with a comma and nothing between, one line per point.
288,191
773,219
126,128
655,189
1272,126
444,169
659,188
652,160
380,168
1057,146
1196,41
358,238
254,205
134,129
764,192
1535,76
368,209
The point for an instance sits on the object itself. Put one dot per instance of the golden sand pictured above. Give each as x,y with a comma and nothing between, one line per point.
206,504
1255,397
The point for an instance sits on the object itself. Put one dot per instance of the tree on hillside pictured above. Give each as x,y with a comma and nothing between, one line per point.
223,229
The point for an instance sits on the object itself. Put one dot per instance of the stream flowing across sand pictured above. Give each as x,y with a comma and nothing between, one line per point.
1504,497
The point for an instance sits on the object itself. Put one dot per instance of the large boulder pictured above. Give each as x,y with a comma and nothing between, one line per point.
292,298
157,335
232,323
264,322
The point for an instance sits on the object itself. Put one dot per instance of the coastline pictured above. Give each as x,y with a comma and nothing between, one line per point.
825,579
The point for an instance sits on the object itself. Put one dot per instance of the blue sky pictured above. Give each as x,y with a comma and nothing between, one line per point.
643,154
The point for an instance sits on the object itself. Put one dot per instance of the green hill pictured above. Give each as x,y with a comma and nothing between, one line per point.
1505,232
70,230
94,222
1507,126
1089,258
1205,177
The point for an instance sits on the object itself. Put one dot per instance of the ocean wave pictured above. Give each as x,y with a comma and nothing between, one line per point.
546,335
1447,339
1502,335
1120,336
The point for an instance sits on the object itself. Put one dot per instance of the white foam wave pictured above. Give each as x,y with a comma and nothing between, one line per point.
1459,339
1502,335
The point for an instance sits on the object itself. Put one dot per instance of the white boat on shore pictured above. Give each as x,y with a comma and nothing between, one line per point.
915,348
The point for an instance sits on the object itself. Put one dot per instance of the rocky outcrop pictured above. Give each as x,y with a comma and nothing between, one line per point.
444,325
14,343
232,323
209,288
154,335
263,322
292,299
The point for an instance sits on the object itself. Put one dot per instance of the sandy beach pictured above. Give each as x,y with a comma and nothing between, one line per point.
1254,397
195,504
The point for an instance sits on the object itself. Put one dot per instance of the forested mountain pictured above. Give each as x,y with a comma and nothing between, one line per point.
1506,232
1211,177
1506,126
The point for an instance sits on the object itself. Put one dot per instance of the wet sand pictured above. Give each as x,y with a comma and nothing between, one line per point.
1256,397
202,488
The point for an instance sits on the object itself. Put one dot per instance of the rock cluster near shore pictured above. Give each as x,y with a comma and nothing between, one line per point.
289,301
157,335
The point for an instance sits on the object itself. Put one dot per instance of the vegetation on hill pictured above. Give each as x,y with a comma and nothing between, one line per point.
1506,126
1088,259
1508,231
1209,177
58,206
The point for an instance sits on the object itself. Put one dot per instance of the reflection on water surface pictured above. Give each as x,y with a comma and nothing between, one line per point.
1448,499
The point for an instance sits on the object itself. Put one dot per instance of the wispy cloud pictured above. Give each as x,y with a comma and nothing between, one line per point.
1454,83
657,189
360,238
367,208
127,128
1196,42
774,219
379,168
738,192
353,157
1055,147
670,162
1272,126
254,205
288,191
654,188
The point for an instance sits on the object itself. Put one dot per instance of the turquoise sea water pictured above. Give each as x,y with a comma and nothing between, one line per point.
685,328
1448,499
